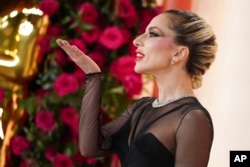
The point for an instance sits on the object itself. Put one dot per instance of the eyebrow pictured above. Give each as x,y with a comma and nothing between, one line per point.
154,27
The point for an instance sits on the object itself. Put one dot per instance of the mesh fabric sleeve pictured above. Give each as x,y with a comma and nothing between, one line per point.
194,140
94,140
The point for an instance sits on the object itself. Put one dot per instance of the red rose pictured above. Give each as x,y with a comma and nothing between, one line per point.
98,58
62,58
50,153
132,49
74,126
79,75
115,161
79,43
78,159
127,35
133,85
122,67
146,17
54,30
112,38
45,120
91,36
89,12
123,70
39,94
65,84
1,94
127,12
91,161
19,145
62,160
67,115
49,7
44,44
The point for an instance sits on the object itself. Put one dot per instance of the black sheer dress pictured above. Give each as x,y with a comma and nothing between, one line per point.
179,134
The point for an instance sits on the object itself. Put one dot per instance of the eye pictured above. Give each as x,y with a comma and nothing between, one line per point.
153,34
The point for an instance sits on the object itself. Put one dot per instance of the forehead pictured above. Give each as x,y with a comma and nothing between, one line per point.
162,21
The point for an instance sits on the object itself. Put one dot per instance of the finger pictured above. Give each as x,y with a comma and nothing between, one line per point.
62,42
77,51
65,45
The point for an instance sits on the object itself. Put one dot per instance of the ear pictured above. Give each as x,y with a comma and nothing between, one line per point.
181,54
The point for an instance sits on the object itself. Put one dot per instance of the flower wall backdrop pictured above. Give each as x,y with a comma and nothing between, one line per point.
102,29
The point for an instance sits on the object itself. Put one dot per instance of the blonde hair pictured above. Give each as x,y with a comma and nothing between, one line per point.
193,32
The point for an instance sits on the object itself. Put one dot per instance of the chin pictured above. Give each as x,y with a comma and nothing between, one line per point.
139,70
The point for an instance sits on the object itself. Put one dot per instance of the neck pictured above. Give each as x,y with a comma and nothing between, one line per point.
173,86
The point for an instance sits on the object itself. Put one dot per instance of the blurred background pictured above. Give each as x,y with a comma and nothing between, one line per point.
225,88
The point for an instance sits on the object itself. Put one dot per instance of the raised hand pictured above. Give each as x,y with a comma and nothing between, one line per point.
80,58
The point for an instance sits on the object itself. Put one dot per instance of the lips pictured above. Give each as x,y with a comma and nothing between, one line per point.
139,55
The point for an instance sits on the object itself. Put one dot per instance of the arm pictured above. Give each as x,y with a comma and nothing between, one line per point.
93,139
194,140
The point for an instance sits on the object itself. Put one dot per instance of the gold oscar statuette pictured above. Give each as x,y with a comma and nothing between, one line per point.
19,31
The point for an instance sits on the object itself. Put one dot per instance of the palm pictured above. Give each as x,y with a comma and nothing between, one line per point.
80,58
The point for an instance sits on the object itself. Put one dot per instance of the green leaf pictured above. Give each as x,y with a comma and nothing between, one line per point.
70,149
86,27
74,25
118,89
66,20
29,104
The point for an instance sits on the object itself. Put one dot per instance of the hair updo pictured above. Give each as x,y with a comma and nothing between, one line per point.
193,32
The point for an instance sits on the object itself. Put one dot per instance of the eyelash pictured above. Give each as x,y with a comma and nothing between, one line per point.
153,34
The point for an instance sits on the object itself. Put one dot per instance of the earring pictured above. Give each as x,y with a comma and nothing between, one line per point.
172,62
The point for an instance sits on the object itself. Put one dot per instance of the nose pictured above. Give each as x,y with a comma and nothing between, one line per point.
137,41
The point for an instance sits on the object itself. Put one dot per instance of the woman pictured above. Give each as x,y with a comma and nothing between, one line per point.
172,130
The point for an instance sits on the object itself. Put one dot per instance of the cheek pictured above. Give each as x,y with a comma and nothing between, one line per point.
162,47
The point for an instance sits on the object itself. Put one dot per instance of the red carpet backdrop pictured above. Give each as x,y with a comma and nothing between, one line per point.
41,88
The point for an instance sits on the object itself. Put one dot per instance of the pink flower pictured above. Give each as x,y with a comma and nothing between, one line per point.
79,43
62,58
28,163
132,49
122,67
123,70
54,30
127,12
44,44
50,153
146,16
89,12
115,161
127,35
2,94
39,94
79,75
67,115
62,160
92,35
133,85
78,159
19,145
112,38
91,161
49,7
65,84
98,58
44,120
